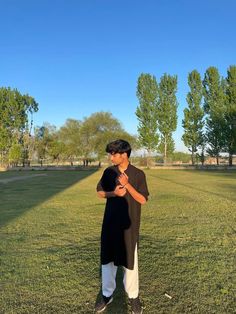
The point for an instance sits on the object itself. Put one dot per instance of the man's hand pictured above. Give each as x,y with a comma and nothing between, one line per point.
120,191
123,179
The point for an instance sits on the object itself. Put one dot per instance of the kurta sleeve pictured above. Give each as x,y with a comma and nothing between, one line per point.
108,180
99,185
142,185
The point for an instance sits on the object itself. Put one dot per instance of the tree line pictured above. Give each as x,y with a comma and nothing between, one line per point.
209,119
76,140
79,140
209,123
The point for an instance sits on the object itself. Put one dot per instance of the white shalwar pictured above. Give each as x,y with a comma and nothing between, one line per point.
130,280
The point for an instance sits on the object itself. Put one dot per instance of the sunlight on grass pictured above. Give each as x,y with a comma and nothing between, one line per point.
50,237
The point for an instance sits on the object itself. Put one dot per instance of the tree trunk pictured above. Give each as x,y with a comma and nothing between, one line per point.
230,160
165,152
202,158
148,159
192,157
217,160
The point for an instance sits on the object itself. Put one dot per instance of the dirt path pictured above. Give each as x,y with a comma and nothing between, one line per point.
7,180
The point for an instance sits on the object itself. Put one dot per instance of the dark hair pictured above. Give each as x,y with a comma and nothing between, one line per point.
119,146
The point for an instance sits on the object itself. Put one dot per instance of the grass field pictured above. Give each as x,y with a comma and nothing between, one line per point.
50,232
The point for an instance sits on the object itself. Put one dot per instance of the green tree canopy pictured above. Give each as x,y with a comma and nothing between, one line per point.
146,112
193,115
44,140
15,154
230,112
214,106
99,129
167,112
69,136
16,112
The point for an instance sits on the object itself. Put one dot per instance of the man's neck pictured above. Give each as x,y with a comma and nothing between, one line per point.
123,166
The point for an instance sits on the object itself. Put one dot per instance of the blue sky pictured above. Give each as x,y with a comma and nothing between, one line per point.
77,57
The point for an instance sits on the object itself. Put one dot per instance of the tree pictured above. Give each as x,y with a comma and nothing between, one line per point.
69,136
214,107
15,154
202,150
147,112
167,113
99,129
230,115
44,138
166,145
26,140
28,146
15,110
56,148
193,115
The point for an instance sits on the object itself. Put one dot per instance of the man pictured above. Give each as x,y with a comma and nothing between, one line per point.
125,189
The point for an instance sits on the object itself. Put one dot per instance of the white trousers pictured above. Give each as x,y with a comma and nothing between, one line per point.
130,280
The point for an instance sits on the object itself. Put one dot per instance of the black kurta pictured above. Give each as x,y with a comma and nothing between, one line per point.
120,228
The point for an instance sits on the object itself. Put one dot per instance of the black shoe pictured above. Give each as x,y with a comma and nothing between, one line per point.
136,306
101,305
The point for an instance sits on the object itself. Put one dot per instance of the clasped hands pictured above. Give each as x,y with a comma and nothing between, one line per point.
120,189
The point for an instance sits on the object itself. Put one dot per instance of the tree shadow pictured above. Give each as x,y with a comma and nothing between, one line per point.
20,195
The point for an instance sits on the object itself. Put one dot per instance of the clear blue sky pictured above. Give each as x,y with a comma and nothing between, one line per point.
77,57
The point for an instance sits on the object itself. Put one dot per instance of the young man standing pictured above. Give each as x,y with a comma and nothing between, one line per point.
125,189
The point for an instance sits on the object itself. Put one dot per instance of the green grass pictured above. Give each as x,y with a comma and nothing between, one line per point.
50,235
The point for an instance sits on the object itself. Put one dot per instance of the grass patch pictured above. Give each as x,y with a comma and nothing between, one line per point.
50,237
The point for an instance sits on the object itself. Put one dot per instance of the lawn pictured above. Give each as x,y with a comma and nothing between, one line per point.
50,232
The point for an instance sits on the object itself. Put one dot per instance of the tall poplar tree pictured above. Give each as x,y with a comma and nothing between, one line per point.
193,115
214,106
230,115
167,113
146,112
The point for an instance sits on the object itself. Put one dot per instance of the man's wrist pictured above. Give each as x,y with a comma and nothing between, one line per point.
125,185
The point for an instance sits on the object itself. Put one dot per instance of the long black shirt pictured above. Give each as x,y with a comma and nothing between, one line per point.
121,222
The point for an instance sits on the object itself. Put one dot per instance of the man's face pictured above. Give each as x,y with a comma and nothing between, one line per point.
117,158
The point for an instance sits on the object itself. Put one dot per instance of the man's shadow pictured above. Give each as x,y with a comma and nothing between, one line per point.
119,304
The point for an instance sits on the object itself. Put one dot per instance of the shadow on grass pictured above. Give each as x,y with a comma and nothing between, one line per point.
19,196
80,262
